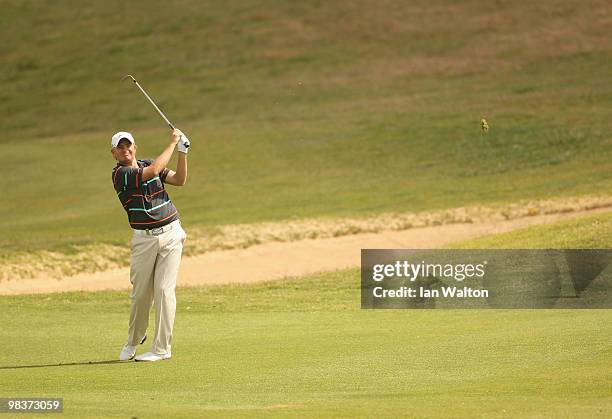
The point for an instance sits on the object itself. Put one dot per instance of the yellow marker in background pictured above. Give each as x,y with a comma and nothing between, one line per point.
484,125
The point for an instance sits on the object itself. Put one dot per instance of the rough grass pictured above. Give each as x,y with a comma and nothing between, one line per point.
302,110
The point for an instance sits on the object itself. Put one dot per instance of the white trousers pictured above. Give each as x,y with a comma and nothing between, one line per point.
154,268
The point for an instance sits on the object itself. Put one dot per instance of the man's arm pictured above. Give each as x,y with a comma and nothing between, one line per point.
178,178
162,160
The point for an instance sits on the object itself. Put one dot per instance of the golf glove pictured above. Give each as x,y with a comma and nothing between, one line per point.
183,144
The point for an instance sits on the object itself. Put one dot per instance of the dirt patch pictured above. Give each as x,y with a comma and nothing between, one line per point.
105,257
275,260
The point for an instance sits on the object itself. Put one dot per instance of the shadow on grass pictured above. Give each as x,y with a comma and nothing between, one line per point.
67,364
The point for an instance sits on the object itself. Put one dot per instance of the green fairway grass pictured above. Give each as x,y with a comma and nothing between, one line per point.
593,232
299,110
304,347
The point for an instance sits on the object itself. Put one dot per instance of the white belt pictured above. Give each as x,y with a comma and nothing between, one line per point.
159,230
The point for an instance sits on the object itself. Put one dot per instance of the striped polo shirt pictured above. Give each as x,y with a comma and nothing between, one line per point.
147,203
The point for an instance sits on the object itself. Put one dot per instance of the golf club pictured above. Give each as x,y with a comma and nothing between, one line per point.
150,100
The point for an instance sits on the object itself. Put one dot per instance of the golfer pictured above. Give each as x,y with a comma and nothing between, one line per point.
157,243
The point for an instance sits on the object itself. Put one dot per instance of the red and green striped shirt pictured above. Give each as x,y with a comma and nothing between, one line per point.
147,203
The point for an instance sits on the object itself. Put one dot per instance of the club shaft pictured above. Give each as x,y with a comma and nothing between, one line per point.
154,105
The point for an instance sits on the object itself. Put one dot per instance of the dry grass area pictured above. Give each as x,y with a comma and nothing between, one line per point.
96,258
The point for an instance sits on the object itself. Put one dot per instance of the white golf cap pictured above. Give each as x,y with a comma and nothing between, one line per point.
121,135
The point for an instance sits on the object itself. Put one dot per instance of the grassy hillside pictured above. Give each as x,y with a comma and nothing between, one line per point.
304,347
296,110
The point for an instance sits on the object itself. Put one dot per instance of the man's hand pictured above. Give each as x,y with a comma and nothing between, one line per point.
183,144
162,160
176,135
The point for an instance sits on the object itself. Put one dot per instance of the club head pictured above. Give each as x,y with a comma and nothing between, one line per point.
130,76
